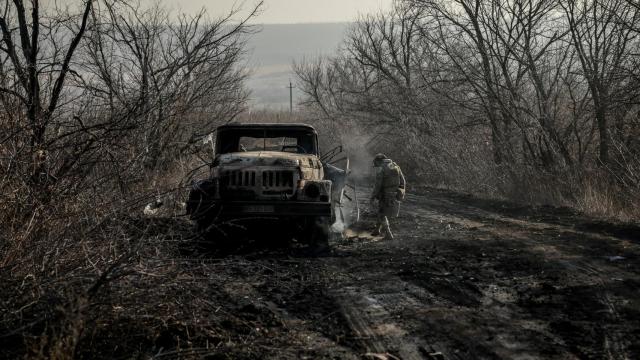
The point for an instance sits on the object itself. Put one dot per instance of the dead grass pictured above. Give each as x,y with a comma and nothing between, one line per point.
63,261
463,160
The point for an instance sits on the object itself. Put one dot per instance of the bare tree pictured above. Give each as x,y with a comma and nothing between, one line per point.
174,80
35,66
602,42
373,80
549,86
91,96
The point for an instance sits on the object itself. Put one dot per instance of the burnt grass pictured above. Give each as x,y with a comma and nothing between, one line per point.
486,279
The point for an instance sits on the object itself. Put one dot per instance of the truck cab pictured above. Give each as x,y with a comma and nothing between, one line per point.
266,171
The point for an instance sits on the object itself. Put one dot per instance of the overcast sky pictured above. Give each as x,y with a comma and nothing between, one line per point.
289,11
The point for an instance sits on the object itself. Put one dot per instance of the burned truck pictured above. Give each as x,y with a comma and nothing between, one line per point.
268,172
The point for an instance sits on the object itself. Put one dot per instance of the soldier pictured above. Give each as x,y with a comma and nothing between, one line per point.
389,191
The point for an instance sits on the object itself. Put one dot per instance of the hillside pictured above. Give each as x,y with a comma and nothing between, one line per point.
272,50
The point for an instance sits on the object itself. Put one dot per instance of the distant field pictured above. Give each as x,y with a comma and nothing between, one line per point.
272,51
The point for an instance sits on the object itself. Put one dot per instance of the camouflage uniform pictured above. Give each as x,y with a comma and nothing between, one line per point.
389,190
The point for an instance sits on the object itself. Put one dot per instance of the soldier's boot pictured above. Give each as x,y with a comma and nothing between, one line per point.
388,235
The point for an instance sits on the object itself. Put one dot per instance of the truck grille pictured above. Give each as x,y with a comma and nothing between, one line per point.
239,178
265,182
277,179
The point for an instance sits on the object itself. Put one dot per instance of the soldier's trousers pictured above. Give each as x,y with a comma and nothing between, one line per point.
388,208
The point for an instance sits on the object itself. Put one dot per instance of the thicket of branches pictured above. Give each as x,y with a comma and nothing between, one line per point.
530,98
96,98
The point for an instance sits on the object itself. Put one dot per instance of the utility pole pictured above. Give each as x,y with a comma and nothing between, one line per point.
290,97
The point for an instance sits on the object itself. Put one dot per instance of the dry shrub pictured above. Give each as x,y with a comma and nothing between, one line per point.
602,196
463,160
59,257
599,200
62,251
461,103
87,142
94,278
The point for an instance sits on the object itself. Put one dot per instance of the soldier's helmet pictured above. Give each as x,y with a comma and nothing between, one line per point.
377,160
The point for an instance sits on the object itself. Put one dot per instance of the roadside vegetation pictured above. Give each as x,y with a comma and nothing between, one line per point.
103,106
534,101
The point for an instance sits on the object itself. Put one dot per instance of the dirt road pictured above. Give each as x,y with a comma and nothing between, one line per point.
468,278
465,278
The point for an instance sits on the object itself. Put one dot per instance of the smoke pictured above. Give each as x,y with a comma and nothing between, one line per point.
357,147
338,226
347,213
359,143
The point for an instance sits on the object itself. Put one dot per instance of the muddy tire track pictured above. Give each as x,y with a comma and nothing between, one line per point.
494,295
466,278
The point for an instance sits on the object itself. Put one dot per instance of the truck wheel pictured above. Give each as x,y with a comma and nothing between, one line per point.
204,218
218,234
319,233
209,226
202,224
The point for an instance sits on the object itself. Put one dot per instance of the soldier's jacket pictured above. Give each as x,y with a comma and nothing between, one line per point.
389,187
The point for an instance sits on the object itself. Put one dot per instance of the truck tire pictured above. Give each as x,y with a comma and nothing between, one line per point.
319,233
205,219
199,202
202,224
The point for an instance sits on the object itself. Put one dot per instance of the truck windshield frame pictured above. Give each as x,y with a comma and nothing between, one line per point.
228,140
